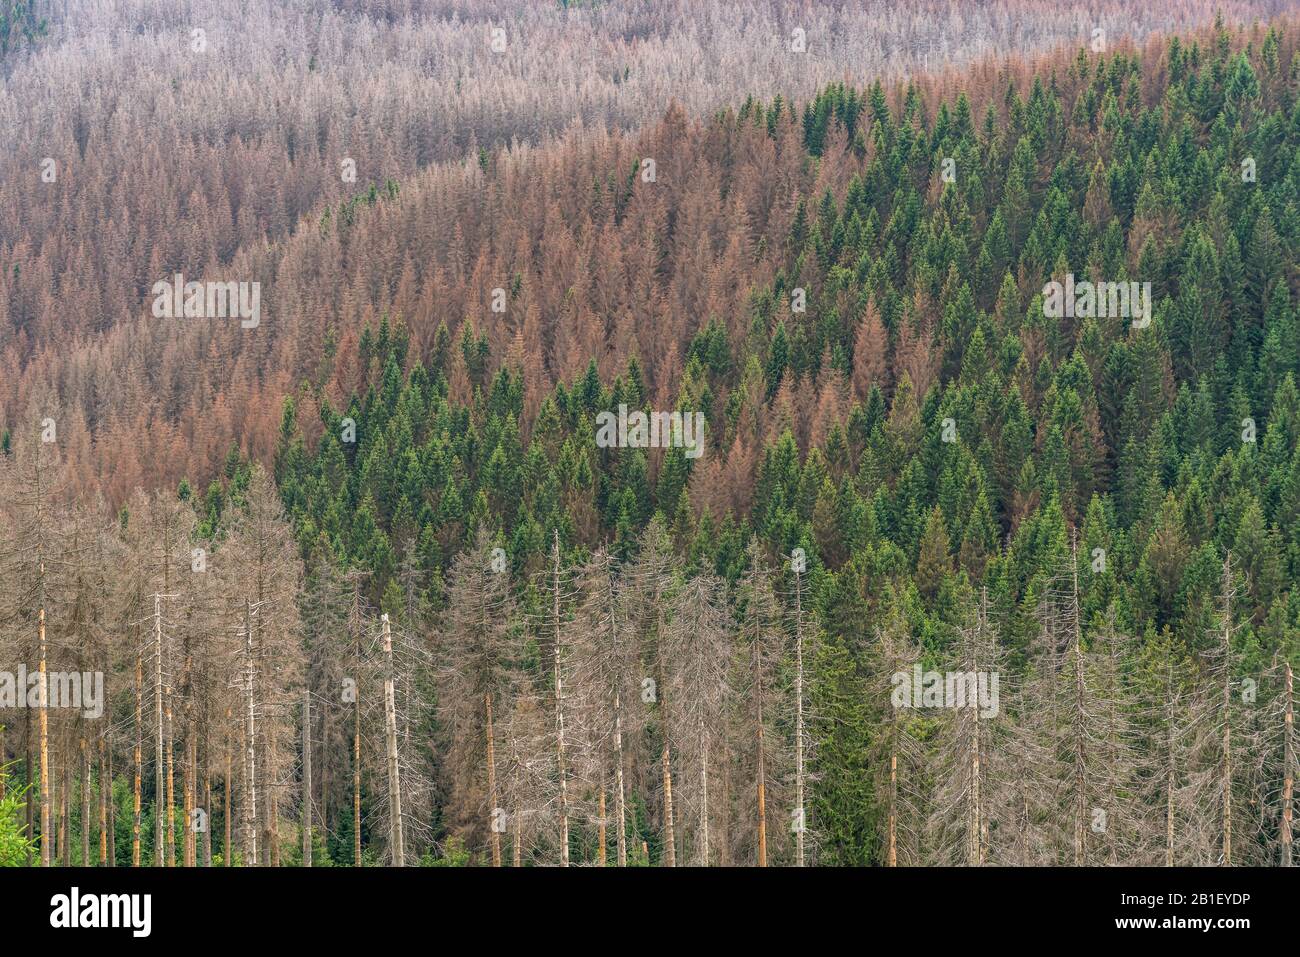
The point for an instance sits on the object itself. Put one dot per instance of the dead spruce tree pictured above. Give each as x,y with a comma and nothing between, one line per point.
697,649
329,646
400,666
476,683
411,619
1269,772
1078,705
651,585
607,681
553,788
262,575
1224,743
897,755
763,813
37,555
971,766
805,639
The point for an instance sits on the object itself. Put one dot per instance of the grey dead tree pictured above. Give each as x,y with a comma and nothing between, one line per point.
260,564
384,665
606,680
36,546
476,680
351,689
207,670
248,674
332,648
103,651
306,777
697,648
199,627
1290,764
1223,742
85,597
970,765
168,526
1024,823
898,752
558,665
413,675
565,743
1168,792
651,583
529,787
397,848
398,661
10,633
131,597
1268,767
1081,707
762,710
1119,822
805,637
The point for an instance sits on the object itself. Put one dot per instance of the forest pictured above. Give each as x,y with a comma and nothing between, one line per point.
365,586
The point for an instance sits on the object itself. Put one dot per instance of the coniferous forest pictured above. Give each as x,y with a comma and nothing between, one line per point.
643,446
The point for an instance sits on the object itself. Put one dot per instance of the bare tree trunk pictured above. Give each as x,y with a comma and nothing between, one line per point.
619,805
665,756
1227,712
65,796
189,782
798,721
189,847
670,837
207,802
105,785
27,773
272,805
1169,767
31,814
1080,743
306,778
601,836
975,856
704,789
139,748
891,859
762,762
85,802
559,703
620,809
492,784
43,720
356,780
975,824
394,779
112,811
159,794
1288,772
171,779
227,851
250,745
517,848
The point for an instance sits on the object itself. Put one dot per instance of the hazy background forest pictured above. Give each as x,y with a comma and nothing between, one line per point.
364,585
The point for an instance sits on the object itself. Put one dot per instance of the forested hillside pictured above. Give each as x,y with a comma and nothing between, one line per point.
146,138
393,600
